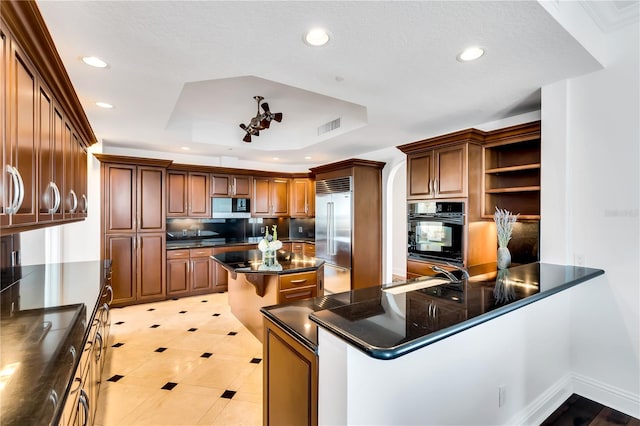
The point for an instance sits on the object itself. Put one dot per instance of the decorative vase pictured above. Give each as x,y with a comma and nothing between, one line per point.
268,257
504,258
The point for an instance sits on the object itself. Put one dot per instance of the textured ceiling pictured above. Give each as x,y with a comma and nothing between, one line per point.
184,73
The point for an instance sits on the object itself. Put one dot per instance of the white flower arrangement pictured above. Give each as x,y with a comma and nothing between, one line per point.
270,241
504,220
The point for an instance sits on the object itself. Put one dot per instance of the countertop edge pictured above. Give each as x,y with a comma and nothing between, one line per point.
286,328
397,351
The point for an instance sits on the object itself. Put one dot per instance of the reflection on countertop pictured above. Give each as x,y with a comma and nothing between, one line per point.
173,244
388,324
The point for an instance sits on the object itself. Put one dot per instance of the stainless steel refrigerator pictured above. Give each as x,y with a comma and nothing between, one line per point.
334,216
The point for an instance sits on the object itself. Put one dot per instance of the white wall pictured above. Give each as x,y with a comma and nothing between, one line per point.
591,181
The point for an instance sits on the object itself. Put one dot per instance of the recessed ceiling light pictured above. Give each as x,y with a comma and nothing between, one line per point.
94,61
276,158
307,157
470,54
185,148
316,37
104,105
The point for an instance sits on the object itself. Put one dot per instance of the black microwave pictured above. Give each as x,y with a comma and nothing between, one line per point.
224,208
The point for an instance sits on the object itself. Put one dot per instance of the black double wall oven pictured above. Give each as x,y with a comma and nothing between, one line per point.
436,231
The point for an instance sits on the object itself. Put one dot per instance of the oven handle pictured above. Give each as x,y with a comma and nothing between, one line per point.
454,220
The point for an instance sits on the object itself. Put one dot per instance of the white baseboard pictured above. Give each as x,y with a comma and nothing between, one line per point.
600,392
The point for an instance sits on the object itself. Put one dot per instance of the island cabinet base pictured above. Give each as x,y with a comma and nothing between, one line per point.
290,394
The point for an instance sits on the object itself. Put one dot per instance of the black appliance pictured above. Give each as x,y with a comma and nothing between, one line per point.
225,208
436,231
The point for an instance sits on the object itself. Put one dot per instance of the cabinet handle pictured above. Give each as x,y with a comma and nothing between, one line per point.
85,203
56,203
75,201
99,342
12,209
430,186
21,183
84,402
77,379
298,281
53,397
110,289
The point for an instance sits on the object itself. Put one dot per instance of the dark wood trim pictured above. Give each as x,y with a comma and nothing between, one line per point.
519,132
340,165
30,31
8,230
467,135
119,159
237,172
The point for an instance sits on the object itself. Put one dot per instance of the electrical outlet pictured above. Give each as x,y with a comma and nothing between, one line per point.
300,229
502,395
262,229
579,259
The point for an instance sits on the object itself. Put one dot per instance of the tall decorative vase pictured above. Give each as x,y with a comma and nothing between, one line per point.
504,258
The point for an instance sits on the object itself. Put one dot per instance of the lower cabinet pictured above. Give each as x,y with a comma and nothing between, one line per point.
301,285
192,271
290,383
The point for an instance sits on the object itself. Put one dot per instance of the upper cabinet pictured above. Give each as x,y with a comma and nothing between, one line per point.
231,186
270,197
512,171
188,194
441,167
303,198
44,132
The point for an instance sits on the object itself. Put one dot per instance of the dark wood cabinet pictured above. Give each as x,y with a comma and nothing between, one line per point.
438,173
134,210
427,314
202,273
270,197
302,198
177,272
231,186
221,280
188,194
192,271
290,385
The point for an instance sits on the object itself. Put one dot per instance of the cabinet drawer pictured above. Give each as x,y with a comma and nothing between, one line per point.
297,294
293,281
297,248
177,254
310,250
201,252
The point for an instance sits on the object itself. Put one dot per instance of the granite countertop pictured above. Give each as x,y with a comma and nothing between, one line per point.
46,311
250,261
222,242
391,321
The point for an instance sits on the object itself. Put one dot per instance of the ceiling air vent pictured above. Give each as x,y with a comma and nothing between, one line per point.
327,127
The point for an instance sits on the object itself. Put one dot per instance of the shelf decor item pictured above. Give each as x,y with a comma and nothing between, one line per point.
268,246
504,220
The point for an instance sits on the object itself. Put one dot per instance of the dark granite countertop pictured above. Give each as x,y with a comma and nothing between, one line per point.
225,242
46,311
397,319
250,261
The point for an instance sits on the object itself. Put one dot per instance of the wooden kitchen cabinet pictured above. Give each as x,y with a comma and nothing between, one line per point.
302,198
231,186
133,223
290,382
202,271
177,272
221,280
299,286
188,194
270,197
309,250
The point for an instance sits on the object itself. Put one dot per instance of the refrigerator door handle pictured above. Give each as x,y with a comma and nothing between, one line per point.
331,249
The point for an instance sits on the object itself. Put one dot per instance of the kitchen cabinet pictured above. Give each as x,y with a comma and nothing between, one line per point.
42,150
221,280
177,272
290,384
270,197
231,186
512,171
303,198
297,248
309,250
188,194
301,285
439,173
133,223
202,270
427,313
192,271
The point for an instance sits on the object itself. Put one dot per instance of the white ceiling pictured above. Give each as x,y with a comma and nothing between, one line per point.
184,73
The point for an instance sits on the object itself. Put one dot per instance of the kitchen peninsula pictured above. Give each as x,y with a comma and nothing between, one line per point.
254,283
431,351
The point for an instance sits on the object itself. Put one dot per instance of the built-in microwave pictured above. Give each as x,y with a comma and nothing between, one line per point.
436,231
224,208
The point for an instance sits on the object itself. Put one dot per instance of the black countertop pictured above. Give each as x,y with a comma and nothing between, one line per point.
250,261
389,322
45,311
175,244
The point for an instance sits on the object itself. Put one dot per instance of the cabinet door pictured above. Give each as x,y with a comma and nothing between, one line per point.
5,199
300,197
290,386
419,175
220,185
201,274
22,148
70,197
260,203
121,249
176,194
241,186
59,158
177,272
280,197
198,196
47,195
81,181
151,276
451,171
120,200
151,203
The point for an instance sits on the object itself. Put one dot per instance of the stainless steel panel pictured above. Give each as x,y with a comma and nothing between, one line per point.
340,244
336,279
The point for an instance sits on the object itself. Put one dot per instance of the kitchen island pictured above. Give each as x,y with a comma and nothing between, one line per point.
253,284
429,351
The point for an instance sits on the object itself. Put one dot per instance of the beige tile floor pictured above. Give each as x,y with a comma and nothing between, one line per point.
204,364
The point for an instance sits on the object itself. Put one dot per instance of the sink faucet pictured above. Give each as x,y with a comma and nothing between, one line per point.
448,274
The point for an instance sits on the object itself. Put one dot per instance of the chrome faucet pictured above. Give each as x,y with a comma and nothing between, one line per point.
448,274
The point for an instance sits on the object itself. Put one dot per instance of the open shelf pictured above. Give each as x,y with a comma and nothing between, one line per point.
513,189
510,169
